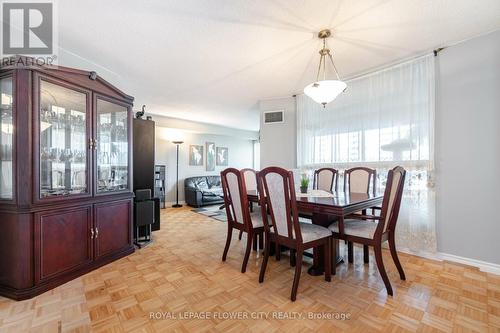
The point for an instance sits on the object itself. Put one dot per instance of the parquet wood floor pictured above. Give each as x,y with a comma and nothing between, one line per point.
182,271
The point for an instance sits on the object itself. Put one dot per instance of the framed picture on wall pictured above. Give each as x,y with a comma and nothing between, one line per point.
195,155
210,146
222,156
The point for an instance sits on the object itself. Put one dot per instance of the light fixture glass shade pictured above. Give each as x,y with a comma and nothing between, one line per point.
324,92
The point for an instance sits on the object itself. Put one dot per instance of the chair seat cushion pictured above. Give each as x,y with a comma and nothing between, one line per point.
358,228
257,221
312,232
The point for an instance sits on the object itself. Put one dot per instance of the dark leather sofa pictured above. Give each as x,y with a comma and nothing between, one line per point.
203,190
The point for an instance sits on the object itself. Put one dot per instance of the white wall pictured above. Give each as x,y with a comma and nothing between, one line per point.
468,149
239,143
204,128
278,144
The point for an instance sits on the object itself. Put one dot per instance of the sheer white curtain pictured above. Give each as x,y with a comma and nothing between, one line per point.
384,119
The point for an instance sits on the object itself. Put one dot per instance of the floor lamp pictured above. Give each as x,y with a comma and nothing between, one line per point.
177,143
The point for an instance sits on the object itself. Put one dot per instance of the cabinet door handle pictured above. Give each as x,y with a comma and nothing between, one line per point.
96,232
91,233
95,144
91,144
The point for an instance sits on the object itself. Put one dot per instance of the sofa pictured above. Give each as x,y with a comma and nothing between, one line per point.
203,190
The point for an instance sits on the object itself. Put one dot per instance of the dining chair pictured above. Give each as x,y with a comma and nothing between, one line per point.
357,227
278,203
325,179
358,180
238,212
250,177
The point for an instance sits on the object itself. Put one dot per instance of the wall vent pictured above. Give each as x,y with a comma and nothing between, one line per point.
271,117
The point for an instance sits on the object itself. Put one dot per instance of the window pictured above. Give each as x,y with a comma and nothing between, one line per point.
384,119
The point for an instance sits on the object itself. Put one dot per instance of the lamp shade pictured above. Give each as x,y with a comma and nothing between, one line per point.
324,92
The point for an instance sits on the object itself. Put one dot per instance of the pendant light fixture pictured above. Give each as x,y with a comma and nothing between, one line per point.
325,91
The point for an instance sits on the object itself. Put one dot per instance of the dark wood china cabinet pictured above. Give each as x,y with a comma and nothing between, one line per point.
65,177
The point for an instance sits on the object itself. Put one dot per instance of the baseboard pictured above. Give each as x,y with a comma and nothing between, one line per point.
484,266
423,254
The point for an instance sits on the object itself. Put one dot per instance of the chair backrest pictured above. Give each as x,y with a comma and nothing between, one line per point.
235,197
357,180
250,177
277,196
392,199
325,178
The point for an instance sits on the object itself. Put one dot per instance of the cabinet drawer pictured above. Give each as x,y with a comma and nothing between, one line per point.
62,241
113,227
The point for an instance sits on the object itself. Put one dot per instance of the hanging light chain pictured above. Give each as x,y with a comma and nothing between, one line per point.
322,62
319,67
334,67
324,58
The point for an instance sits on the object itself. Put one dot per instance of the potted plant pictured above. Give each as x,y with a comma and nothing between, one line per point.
304,183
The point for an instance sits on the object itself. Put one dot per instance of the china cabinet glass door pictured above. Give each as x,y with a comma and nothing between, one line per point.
63,141
112,147
6,138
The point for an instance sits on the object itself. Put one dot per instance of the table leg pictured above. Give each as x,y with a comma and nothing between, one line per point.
318,254
318,260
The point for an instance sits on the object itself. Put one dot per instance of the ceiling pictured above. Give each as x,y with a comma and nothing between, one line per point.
213,60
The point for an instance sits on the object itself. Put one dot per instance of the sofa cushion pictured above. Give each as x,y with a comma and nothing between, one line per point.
199,183
213,181
212,198
214,191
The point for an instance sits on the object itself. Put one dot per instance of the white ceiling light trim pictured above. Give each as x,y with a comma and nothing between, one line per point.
325,91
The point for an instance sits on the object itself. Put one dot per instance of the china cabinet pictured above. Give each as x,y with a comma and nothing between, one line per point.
65,176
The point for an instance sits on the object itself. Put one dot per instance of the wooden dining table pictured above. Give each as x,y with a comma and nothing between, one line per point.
325,210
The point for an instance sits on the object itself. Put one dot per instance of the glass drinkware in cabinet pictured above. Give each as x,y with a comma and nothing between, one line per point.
63,141
112,147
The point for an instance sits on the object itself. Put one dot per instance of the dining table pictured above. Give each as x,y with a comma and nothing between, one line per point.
324,208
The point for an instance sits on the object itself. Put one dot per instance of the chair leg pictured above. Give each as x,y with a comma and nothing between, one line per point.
277,251
394,254
350,257
228,242
241,234
328,259
296,278
292,258
333,259
267,249
381,268
247,252
366,254
261,241
255,242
